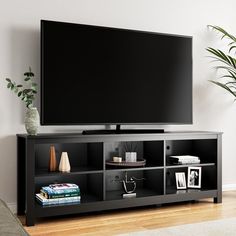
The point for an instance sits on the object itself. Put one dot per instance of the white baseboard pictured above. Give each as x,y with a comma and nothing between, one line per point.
229,187
225,187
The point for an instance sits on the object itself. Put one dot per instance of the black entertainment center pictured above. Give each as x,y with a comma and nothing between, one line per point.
93,75
88,154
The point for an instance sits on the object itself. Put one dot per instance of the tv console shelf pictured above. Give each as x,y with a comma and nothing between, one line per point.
99,191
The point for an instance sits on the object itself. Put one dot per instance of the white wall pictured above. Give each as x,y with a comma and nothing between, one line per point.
19,48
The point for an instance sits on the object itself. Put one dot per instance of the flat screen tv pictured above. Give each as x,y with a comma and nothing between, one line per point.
102,75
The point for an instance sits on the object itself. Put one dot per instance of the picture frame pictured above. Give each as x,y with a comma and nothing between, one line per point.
194,177
180,180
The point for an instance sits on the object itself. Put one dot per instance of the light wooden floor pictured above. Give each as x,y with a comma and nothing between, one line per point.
116,222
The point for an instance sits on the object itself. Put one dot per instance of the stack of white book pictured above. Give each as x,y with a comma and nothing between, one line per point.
184,159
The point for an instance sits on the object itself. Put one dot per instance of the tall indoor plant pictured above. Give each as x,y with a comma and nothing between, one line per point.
27,94
226,61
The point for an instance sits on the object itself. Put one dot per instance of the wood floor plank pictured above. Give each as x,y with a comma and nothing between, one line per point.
130,220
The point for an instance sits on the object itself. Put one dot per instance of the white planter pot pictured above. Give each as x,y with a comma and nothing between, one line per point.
32,121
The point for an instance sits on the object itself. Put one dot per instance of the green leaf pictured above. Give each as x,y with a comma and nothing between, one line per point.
231,48
221,56
9,85
224,87
29,73
8,80
12,86
19,94
25,91
33,89
229,69
27,79
19,85
224,32
30,96
232,82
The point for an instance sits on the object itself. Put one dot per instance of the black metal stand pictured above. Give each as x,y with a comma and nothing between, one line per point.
118,130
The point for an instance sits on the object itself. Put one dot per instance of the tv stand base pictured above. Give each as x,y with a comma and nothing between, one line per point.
123,131
118,130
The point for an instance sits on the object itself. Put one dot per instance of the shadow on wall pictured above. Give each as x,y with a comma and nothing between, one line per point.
211,104
8,168
24,52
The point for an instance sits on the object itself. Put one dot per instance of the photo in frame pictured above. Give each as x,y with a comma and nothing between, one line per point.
180,180
194,177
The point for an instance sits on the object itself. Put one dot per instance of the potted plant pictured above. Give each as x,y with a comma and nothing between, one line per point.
27,94
227,62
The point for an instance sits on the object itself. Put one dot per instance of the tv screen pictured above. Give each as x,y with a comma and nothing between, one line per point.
101,75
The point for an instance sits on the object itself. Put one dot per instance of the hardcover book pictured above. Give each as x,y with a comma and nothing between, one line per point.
63,186
49,191
62,195
44,201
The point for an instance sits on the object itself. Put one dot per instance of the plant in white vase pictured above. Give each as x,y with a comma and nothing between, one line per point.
27,94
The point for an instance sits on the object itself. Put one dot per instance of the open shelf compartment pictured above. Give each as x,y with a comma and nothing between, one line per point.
150,183
205,149
151,151
208,180
91,185
83,157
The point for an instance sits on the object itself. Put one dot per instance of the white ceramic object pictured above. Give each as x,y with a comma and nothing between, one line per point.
117,159
32,121
64,165
131,156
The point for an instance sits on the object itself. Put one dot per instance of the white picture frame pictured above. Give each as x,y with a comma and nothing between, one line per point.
180,180
194,177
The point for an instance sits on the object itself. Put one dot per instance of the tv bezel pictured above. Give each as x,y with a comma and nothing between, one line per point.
42,122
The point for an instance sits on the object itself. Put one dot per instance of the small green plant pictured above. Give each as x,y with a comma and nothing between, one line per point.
227,62
26,94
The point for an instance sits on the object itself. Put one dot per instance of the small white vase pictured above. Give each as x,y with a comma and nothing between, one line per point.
64,165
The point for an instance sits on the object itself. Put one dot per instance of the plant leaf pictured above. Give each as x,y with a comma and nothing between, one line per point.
224,32
232,47
224,87
221,56
226,68
27,79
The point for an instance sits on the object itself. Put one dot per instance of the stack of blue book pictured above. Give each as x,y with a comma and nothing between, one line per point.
56,194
